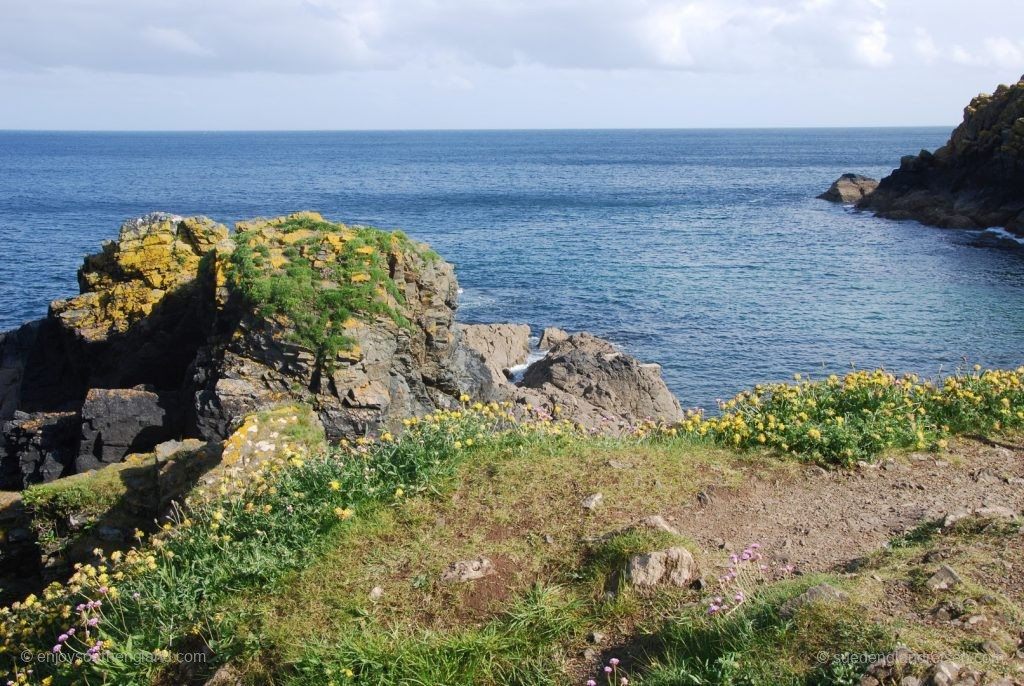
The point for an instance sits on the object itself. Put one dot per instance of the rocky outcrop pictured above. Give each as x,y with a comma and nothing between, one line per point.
403,358
551,337
117,422
593,383
976,180
502,346
849,189
38,447
182,329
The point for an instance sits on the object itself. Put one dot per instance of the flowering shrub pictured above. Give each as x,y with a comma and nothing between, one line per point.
858,416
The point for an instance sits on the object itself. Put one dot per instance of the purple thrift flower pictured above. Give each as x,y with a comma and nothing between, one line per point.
614,662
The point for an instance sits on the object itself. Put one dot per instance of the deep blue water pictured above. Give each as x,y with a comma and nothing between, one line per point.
702,250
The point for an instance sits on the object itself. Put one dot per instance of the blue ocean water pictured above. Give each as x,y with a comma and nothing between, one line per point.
705,251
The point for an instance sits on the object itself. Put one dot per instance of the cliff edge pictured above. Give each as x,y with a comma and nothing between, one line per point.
974,181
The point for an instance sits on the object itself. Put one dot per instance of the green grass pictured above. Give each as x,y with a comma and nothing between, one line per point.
275,577
333,274
757,646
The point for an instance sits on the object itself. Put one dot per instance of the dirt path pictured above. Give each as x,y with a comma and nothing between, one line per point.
820,520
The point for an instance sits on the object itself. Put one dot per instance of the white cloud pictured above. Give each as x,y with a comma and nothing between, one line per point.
211,37
319,36
175,40
925,45
871,46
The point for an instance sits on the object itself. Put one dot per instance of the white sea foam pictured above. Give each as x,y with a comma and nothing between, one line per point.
1000,235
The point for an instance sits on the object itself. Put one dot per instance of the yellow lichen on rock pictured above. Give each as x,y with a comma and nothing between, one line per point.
153,256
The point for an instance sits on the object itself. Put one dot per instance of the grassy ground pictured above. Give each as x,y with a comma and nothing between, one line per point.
326,568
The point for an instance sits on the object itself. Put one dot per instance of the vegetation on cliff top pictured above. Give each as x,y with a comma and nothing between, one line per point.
274,570
320,276
859,416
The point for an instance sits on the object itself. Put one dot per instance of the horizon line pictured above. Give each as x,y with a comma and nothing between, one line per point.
494,129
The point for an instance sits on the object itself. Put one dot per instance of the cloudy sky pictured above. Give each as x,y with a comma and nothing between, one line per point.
401,64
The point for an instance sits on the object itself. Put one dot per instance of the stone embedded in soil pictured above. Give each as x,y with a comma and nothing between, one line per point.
822,593
993,649
673,566
943,579
944,673
592,501
468,570
992,512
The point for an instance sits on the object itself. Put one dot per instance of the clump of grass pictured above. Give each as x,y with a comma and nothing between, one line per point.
320,282
85,497
516,648
757,645
863,414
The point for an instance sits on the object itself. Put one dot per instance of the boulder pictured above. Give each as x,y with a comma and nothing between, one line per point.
974,181
849,189
594,384
118,421
673,566
551,337
39,447
501,345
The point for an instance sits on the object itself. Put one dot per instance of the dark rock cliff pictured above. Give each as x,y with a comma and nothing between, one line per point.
976,180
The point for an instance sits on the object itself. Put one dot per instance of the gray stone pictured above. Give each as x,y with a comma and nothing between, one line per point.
618,464
674,566
994,649
849,188
943,579
169,449
596,385
37,448
376,593
592,501
111,534
943,673
468,570
117,422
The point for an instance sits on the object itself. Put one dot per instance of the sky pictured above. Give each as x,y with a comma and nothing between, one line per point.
466,64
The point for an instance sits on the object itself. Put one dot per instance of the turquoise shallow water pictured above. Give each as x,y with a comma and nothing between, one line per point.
702,250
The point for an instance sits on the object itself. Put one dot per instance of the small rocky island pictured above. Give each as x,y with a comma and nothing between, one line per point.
183,328
974,181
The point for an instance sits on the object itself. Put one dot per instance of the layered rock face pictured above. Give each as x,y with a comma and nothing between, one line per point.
976,180
182,329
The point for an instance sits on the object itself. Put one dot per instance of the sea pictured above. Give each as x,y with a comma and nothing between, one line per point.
703,250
